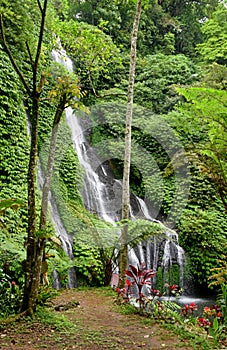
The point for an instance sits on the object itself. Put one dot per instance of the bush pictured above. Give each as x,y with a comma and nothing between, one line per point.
10,295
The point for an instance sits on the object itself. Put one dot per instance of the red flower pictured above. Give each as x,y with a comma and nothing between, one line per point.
203,322
193,306
155,292
128,283
188,309
206,309
171,287
13,283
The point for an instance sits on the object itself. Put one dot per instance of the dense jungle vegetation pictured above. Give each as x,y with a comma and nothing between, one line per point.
181,81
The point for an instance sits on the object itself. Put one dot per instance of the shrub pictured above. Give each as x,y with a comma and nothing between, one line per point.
10,295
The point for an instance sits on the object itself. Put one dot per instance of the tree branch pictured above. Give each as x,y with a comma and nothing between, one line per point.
40,7
91,82
8,52
30,55
41,32
41,83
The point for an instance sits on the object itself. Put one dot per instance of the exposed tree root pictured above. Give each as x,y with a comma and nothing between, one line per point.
14,318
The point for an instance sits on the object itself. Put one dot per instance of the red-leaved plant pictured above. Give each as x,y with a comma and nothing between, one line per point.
124,292
140,277
188,309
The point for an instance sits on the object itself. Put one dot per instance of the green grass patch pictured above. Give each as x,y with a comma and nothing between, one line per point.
59,321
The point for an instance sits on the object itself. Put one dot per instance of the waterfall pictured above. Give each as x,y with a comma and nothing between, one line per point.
95,193
98,196
66,240
173,253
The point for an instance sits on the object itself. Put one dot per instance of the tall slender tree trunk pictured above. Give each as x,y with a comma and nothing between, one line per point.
35,240
31,272
127,156
50,163
36,245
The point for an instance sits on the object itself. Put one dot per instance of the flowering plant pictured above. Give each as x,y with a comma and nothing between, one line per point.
203,322
213,310
124,292
188,309
140,277
10,295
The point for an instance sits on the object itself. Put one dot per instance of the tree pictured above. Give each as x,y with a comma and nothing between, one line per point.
35,245
63,95
127,156
209,107
186,21
155,80
92,51
165,25
214,47
65,91
200,122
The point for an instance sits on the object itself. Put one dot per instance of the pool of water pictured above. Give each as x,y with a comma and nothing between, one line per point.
200,302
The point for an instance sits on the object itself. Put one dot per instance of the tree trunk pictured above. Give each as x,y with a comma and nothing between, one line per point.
34,259
36,245
50,163
33,245
35,242
127,157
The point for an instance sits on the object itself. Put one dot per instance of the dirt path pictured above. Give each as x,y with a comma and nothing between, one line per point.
95,325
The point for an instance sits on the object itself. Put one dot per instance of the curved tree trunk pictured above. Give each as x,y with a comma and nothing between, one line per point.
36,239
50,163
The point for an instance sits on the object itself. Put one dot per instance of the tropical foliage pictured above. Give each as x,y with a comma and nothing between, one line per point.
180,81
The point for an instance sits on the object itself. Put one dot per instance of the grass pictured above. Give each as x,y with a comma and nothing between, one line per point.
85,336
195,337
196,341
59,321
59,325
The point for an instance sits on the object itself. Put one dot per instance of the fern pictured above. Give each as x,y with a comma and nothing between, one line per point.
220,275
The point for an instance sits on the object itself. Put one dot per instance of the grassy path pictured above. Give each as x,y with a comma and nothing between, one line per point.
88,319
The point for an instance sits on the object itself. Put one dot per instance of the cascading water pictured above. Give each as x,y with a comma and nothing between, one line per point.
95,193
98,198
66,240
